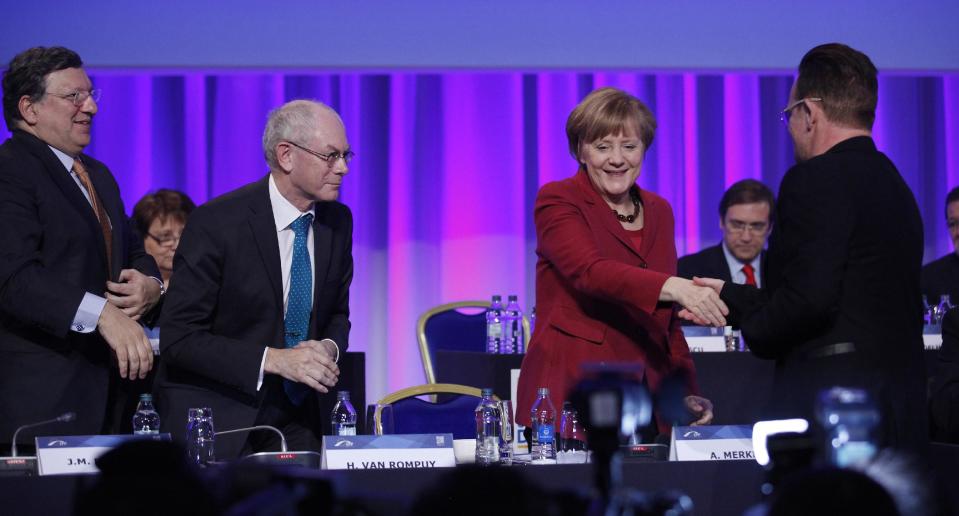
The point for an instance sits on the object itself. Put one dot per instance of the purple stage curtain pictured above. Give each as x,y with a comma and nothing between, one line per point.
448,165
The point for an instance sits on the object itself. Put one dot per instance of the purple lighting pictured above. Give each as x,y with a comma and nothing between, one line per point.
448,165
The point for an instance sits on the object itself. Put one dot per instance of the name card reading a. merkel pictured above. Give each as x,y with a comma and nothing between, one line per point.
388,451
718,442
73,454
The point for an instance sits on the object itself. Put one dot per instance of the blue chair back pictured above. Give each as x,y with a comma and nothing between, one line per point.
455,414
448,328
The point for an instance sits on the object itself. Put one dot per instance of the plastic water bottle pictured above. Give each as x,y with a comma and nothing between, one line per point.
513,324
344,415
543,416
487,429
200,436
494,325
571,434
849,419
532,321
146,421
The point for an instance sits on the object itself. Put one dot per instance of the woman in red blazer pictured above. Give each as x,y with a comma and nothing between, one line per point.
605,274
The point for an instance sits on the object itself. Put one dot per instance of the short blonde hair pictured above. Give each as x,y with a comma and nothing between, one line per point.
608,111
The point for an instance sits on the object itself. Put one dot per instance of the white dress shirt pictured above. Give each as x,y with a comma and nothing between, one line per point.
284,214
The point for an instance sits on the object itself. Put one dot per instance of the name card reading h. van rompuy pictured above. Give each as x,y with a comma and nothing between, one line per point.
718,442
73,454
388,451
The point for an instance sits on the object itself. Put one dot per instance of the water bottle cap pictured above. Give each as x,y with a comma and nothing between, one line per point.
542,391
487,392
497,298
342,395
146,397
513,297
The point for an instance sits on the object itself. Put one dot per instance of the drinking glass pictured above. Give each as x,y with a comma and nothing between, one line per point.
506,432
200,436
386,419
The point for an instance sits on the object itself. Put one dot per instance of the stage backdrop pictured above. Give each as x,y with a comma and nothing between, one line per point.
448,165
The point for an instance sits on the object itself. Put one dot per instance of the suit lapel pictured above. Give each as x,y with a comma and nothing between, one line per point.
322,243
723,272
600,211
64,181
264,234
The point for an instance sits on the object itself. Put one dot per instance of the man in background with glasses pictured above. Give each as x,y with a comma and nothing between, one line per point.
258,312
74,277
745,218
841,303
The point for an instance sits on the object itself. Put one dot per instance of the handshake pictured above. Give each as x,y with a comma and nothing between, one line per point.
699,299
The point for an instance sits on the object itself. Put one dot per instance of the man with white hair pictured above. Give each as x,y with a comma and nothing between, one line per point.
258,314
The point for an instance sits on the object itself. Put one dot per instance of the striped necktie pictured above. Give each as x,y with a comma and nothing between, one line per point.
101,214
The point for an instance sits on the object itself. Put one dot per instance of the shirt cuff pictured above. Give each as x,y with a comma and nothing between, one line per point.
259,380
88,313
331,341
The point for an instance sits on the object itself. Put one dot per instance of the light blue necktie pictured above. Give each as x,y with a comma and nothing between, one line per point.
300,301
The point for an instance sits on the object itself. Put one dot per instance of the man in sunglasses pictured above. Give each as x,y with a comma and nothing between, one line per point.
258,312
841,304
74,277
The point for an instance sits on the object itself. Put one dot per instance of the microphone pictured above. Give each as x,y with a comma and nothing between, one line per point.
62,418
27,466
309,459
258,427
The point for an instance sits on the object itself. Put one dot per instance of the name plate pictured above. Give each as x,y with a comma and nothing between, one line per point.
73,454
704,339
720,442
932,340
388,451
706,344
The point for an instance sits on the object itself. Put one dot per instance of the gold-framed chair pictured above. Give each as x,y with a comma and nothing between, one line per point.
412,415
448,327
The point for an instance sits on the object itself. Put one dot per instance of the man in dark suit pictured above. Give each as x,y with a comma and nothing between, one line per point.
941,277
258,308
65,237
842,304
745,219
944,384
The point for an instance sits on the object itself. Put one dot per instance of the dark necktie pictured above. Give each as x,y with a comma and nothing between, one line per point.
750,276
299,302
101,214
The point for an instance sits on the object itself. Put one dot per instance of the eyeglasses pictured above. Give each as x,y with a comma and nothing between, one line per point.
330,158
79,97
786,113
952,223
738,226
164,239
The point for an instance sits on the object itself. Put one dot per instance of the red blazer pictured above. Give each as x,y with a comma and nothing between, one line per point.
597,296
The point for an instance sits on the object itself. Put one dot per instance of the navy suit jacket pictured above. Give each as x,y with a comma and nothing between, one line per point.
52,253
707,263
711,263
225,306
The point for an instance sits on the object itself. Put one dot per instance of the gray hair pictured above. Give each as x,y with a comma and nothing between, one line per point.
293,121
